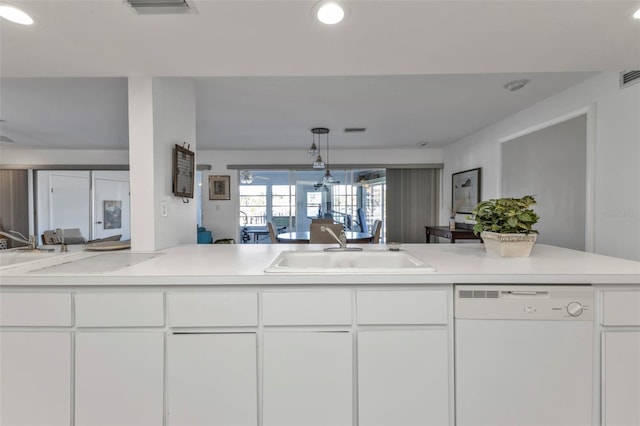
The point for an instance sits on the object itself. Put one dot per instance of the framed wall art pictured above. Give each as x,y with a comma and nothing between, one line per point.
219,187
465,190
183,171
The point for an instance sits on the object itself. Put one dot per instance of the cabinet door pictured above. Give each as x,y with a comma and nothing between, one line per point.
307,378
403,377
119,378
212,379
35,378
621,378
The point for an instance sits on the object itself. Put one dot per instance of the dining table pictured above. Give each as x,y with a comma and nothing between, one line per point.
304,237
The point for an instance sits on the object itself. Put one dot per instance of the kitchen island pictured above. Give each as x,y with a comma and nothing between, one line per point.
200,334
231,264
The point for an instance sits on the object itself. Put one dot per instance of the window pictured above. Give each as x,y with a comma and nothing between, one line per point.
253,205
314,203
283,200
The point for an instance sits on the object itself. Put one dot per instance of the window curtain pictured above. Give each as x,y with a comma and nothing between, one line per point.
412,203
14,202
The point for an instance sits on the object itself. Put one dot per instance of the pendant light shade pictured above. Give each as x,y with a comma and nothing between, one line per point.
327,178
318,164
313,150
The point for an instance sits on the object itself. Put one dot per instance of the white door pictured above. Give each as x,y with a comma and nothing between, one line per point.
212,379
403,378
69,201
621,378
309,202
307,378
35,378
111,211
119,378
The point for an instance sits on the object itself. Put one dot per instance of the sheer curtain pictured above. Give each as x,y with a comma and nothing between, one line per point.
412,203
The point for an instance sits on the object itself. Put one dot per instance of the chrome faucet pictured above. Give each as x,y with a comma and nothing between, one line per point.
63,246
342,240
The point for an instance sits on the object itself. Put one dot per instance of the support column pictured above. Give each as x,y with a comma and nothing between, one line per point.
161,114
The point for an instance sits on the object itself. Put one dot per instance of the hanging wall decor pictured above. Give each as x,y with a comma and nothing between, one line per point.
183,171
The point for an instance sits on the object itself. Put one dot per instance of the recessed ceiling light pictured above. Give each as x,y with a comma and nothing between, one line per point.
637,14
512,86
329,12
13,14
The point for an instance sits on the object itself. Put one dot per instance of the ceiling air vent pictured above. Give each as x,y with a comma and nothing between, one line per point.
355,129
628,78
161,7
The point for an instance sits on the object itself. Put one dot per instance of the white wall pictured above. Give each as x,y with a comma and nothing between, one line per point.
221,217
614,128
174,122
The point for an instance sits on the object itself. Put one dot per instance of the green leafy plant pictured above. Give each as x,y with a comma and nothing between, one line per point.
505,216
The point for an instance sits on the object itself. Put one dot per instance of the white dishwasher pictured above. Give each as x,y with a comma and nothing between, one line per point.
524,355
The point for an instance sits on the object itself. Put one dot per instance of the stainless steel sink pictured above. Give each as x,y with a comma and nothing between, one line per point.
348,262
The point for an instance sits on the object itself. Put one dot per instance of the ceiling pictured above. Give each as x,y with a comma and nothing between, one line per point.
266,72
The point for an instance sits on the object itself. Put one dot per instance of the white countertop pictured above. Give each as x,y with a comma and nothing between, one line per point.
229,264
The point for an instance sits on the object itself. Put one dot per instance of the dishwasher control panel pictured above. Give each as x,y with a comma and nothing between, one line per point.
526,302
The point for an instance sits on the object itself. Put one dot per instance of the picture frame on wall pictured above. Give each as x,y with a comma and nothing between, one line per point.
465,190
219,187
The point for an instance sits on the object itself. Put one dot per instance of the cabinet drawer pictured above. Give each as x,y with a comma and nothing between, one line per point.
119,309
202,309
35,309
621,307
402,307
306,308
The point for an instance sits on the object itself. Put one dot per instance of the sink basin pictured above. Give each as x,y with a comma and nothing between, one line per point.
345,262
9,258
101,263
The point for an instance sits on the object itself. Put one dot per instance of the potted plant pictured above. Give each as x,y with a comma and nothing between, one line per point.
505,225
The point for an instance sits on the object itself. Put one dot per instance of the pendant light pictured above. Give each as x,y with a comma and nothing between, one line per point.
313,150
319,164
327,178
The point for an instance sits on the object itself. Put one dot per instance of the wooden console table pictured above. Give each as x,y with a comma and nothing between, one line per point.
453,235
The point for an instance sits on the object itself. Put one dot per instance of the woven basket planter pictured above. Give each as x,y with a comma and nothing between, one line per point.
508,245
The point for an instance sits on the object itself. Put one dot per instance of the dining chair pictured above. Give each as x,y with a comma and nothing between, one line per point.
362,221
272,233
324,220
317,236
376,229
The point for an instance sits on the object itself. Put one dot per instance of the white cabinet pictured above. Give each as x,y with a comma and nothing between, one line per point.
35,371
213,309
402,307
212,379
119,378
620,365
307,378
403,377
119,309
35,309
320,307
621,378
223,357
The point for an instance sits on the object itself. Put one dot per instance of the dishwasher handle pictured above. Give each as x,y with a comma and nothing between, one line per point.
521,294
